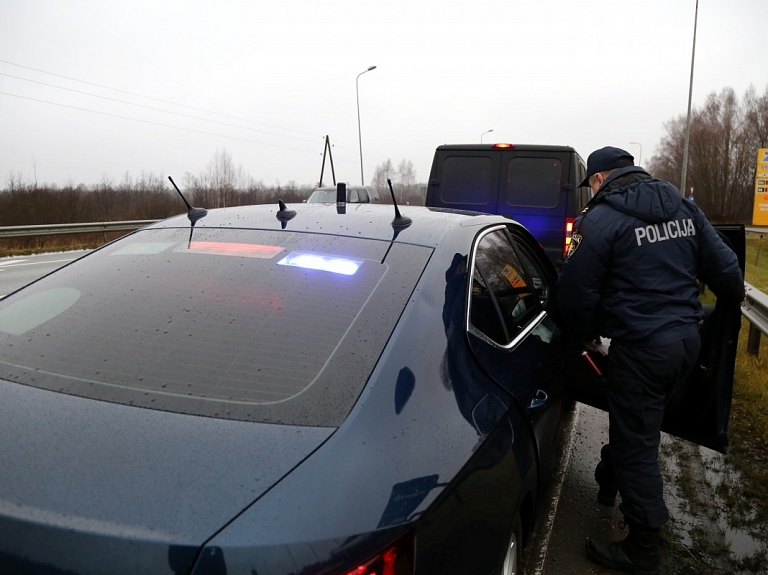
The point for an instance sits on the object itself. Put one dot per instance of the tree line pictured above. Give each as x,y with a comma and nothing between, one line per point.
150,196
146,197
726,133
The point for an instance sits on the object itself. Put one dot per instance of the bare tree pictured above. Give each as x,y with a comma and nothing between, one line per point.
105,194
721,155
15,181
407,180
381,174
222,181
756,117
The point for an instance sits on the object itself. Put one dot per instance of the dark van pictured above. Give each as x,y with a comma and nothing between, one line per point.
534,185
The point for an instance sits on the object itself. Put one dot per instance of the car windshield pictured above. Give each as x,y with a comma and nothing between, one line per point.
322,196
256,325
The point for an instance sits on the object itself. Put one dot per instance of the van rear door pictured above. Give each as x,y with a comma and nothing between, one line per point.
465,179
535,190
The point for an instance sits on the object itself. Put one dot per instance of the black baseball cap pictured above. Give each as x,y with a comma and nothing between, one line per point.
604,159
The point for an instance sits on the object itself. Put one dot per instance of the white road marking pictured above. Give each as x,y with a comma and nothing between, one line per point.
26,263
46,262
11,262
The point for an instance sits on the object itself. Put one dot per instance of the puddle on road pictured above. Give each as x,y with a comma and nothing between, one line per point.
712,533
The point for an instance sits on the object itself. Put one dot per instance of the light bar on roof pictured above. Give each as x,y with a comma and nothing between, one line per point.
312,261
233,249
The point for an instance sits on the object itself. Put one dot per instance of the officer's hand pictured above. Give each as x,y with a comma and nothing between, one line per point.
599,345
593,345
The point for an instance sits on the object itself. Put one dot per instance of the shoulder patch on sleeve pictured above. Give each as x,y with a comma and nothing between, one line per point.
574,245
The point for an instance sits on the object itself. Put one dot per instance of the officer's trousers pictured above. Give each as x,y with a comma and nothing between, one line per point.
641,378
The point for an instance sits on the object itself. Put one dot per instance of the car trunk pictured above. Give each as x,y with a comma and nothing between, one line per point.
94,487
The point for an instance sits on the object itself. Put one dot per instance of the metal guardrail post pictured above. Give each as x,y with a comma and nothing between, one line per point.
755,309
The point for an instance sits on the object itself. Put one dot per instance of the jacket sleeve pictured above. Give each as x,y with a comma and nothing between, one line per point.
579,286
718,264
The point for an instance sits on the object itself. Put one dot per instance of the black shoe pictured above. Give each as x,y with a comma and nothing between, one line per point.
606,494
638,554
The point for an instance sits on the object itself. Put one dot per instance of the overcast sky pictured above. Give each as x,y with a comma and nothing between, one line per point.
99,88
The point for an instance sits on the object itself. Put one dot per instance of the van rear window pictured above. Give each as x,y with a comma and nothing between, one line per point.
533,182
467,180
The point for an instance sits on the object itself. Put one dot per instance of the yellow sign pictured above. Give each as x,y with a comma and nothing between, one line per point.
760,209
513,277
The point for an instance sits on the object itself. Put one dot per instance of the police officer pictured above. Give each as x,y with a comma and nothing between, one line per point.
630,275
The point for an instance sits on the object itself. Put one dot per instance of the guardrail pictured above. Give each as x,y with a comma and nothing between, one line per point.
52,229
755,309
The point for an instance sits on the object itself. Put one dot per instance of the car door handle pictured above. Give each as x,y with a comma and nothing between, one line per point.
539,399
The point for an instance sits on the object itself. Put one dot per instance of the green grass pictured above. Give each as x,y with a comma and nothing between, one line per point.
748,425
757,262
751,373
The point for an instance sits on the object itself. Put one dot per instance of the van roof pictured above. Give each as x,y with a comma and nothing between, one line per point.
518,147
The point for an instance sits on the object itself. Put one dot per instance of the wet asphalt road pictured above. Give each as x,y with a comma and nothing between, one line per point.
568,512
18,271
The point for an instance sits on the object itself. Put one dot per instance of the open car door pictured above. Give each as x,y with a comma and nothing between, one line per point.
700,414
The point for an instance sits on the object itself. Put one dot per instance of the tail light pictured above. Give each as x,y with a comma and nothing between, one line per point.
568,234
397,559
503,146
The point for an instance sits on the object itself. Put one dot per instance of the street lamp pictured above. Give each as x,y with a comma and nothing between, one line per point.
484,133
690,95
359,133
640,158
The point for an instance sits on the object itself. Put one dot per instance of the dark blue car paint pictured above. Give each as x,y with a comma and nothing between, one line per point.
125,483
341,491
101,484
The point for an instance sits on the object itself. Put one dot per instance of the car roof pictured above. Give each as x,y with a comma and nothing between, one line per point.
372,221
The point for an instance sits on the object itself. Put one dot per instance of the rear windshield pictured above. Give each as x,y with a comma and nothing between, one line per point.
255,325
534,182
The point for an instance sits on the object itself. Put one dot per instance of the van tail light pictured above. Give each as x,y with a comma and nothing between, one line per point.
568,234
397,559
503,146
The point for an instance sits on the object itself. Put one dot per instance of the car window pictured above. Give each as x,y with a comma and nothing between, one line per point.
509,289
467,180
533,182
322,196
242,324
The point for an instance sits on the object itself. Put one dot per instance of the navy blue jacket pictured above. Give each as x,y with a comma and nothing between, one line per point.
636,252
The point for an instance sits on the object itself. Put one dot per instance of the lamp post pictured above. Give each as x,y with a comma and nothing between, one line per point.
690,94
359,132
484,133
640,158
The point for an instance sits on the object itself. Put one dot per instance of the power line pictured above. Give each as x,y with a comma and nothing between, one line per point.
347,146
153,108
152,98
155,123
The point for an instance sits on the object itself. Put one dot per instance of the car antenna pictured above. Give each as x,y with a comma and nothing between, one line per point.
399,221
398,224
284,214
193,214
